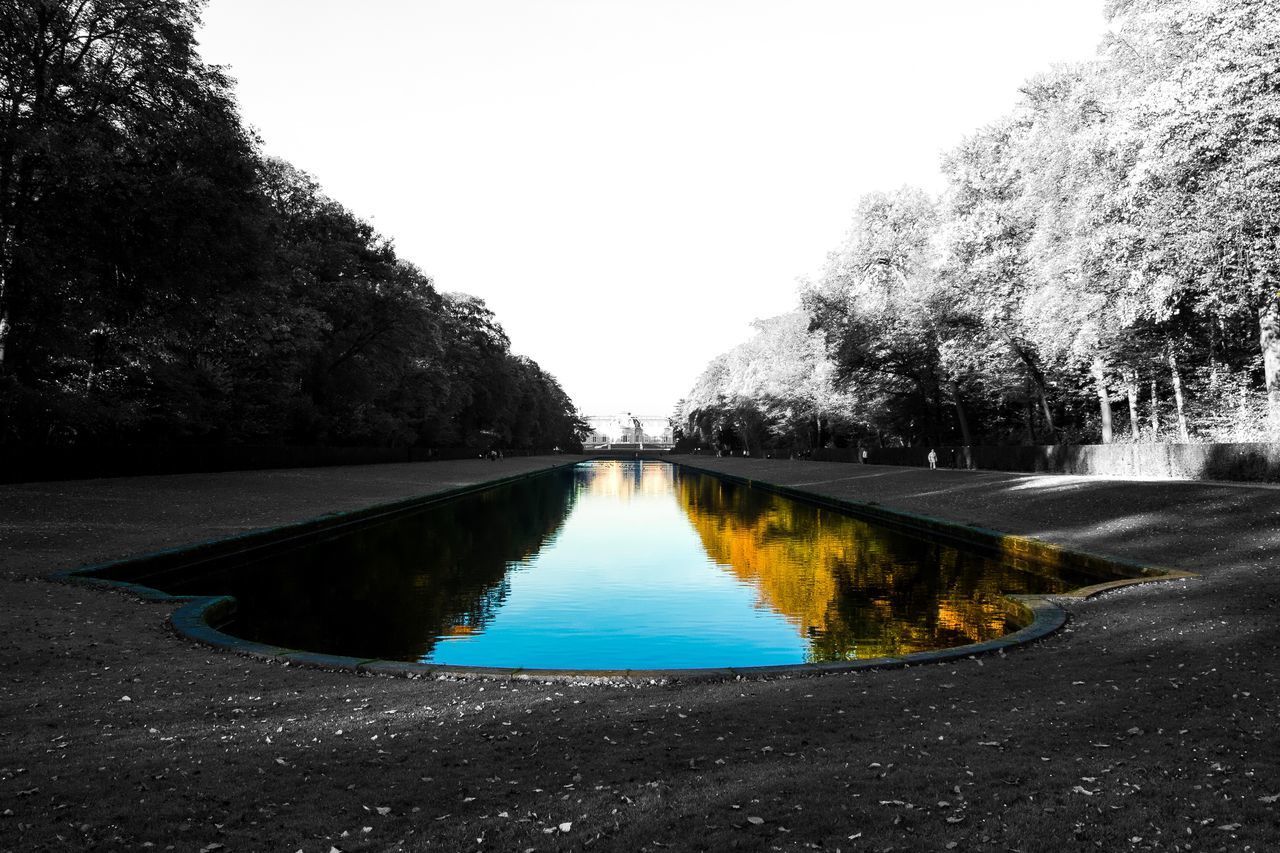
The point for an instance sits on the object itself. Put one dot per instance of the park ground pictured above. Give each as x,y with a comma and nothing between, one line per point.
1148,723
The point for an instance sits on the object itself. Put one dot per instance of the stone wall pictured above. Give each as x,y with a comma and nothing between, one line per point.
1258,461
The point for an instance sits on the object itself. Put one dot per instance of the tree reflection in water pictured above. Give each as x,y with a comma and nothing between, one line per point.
854,589
391,590
657,567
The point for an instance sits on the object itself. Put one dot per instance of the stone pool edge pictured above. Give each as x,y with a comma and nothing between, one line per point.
196,617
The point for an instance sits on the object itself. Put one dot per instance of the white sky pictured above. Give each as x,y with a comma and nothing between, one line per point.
628,184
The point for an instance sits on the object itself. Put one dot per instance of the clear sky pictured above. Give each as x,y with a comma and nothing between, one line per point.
628,184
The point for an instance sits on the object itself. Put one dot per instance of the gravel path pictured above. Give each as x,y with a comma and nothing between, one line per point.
1150,723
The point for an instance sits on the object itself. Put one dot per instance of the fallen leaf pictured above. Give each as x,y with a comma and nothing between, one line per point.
383,810
566,826
755,820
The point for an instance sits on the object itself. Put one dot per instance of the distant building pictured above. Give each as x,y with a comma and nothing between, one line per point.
627,428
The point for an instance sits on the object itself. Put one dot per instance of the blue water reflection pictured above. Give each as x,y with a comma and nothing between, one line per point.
626,583
621,565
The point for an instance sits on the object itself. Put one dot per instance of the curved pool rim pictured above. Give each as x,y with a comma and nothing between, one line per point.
198,617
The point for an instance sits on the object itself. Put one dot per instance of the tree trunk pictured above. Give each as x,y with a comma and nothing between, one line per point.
1048,417
937,411
1155,413
1177,393
1242,406
1131,391
1269,339
1037,376
1213,358
1028,418
1104,401
960,413
964,424
6,243
4,332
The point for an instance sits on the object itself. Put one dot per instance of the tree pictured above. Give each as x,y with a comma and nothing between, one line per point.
90,93
888,318
127,204
1203,101
160,280
986,230
774,391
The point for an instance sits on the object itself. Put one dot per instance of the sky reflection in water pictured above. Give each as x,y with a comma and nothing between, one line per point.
624,565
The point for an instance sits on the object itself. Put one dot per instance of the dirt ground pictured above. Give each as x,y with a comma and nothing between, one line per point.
1149,723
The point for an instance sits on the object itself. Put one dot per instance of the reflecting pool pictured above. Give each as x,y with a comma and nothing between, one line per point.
623,565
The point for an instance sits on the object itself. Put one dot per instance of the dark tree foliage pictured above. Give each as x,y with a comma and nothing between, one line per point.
160,280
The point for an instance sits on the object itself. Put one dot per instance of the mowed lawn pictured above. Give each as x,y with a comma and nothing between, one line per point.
1149,723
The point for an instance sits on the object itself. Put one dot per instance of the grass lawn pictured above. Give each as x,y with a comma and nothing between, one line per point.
1149,723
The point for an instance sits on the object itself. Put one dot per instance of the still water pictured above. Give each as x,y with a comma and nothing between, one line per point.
624,565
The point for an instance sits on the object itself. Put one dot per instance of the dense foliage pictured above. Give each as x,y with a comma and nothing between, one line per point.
1103,265
774,391
161,280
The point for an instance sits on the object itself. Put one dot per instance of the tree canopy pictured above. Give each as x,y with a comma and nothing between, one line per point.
1104,263
163,280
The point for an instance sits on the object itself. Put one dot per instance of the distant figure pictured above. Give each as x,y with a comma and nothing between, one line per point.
933,458
864,456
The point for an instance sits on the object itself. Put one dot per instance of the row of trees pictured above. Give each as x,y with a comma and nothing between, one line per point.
162,280
775,391
1103,265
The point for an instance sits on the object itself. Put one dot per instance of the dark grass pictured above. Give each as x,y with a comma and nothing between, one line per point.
1159,701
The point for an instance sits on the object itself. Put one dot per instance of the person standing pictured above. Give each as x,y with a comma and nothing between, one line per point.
933,458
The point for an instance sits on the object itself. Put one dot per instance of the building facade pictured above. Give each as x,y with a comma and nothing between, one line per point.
626,428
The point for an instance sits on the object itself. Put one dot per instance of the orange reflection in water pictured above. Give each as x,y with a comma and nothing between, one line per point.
625,480
856,591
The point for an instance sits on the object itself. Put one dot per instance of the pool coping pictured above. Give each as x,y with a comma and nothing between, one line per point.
199,617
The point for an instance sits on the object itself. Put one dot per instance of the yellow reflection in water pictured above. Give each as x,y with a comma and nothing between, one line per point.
854,590
625,480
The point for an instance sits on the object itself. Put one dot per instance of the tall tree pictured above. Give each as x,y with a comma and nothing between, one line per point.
91,93
882,309
1204,99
